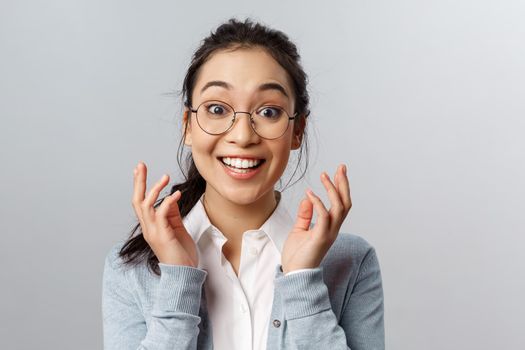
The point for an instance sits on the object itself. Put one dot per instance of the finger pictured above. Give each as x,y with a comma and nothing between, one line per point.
337,180
323,216
139,187
168,210
148,209
304,215
139,183
337,208
153,194
345,189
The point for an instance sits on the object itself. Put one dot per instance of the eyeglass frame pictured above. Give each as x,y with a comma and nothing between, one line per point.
235,115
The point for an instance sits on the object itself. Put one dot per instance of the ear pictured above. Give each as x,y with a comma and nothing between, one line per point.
298,132
186,126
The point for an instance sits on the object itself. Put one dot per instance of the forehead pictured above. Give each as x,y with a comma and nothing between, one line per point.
245,69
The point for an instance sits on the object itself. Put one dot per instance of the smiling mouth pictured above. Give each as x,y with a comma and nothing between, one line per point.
242,168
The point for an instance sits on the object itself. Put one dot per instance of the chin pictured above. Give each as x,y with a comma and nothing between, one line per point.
240,197
243,196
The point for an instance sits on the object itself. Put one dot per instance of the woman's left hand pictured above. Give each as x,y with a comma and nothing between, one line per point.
305,247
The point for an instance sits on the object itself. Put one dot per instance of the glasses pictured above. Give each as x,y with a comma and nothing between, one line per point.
217,117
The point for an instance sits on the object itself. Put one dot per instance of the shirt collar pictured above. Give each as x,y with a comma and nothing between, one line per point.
277,226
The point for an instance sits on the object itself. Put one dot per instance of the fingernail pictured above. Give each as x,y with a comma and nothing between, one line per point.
344,168
309,191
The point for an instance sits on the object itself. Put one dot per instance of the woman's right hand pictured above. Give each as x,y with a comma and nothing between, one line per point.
162,227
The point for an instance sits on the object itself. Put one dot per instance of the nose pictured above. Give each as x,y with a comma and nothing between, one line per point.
241,132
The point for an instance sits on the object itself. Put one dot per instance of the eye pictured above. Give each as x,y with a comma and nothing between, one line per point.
270,112
216,109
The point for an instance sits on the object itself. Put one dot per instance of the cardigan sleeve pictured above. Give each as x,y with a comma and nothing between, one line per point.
174,323
311,321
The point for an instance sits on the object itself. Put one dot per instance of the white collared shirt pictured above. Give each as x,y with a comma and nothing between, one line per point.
239,308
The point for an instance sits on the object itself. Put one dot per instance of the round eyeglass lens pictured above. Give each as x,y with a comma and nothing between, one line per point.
215,117
270,121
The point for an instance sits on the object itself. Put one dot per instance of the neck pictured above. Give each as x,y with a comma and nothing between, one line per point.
233,219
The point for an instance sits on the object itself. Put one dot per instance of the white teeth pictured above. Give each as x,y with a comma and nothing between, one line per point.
240,163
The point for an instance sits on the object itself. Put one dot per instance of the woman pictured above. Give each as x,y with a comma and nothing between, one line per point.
219,263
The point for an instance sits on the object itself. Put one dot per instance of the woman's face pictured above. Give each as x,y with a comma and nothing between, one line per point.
237,77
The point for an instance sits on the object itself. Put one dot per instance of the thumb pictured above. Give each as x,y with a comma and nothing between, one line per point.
304,215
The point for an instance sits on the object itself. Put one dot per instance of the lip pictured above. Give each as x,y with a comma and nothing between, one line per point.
241,157
239,176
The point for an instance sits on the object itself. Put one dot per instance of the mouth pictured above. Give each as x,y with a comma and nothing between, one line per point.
241,164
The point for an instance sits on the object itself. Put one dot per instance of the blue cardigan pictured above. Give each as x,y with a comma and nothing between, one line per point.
338,305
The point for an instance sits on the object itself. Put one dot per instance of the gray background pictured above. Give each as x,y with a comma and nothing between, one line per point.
423,100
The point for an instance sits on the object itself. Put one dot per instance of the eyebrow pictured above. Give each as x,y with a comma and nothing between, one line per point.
262,87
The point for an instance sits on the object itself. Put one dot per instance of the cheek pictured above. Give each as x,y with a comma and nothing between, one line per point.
202,151
284,151
204,164
281,155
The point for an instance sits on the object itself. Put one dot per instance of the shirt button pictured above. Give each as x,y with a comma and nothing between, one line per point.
276,323
253,251
244,308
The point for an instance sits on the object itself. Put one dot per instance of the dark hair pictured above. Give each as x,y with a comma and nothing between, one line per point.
232,34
